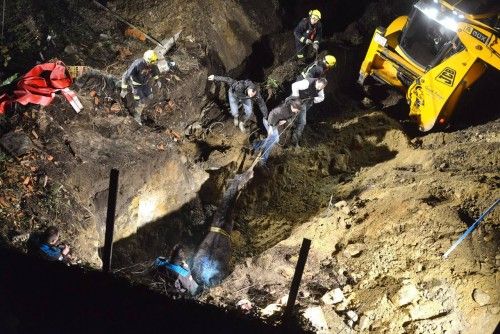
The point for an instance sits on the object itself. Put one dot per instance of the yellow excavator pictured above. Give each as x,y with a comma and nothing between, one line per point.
435,54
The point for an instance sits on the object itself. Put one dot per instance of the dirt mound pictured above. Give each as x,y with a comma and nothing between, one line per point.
382,246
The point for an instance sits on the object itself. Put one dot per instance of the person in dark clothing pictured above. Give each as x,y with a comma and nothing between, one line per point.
280,115
308,32
310,91
139,74
48,247
176,270
244,92
318,68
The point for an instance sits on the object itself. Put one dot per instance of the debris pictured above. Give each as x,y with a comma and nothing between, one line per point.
317,318
346,210
70,49
405,295
245,305
364,323
354,250
50,158
4,203
271,309
115,107
17,143
340,204
135,33
428,309
93,93
352,315
480,297
333,297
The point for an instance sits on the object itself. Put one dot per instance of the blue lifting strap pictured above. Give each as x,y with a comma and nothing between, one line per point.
161,262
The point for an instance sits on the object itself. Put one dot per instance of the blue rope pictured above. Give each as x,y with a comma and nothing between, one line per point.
470,229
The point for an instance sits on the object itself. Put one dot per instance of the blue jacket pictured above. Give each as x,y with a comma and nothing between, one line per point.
51,253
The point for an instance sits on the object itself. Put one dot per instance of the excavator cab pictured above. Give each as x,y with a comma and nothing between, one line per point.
425,41
435,54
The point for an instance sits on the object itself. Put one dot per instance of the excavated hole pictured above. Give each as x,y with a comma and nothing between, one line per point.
294,187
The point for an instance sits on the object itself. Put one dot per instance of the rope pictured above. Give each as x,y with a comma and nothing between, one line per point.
289,124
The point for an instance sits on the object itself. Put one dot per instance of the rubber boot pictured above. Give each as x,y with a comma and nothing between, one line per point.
138,113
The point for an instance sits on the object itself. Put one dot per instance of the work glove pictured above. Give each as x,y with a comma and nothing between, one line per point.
211,77
308,41
316,46
123,93
302,39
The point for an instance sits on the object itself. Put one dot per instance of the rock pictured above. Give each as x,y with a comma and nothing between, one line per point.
70,49
443,166
20,238
340,204
364,323
426,310
333,297
317,318
353,250
347,289
480,297
17,143
352,315
346,210
367,103
270,309
104,36
405,295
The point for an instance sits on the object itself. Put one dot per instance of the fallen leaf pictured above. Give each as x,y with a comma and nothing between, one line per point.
45,181
4,203
96,100
34,134
93,93
33,168
115,107
27,180
50,158
161,147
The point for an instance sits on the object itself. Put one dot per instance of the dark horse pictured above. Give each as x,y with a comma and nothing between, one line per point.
211,262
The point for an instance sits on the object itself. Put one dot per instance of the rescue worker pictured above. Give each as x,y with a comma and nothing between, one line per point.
318,68
310,91
139,75
48,247
244,92
177,270
308,32
280,115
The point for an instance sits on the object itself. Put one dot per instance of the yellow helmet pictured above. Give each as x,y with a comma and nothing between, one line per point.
150,57
330,60
316,13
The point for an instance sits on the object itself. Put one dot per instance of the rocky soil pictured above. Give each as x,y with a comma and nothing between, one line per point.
380,204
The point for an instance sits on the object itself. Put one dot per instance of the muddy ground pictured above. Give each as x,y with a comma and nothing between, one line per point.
380,202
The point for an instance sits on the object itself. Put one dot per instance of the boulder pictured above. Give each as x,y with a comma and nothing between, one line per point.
480,297
317,318
405,295
333,297
353,250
